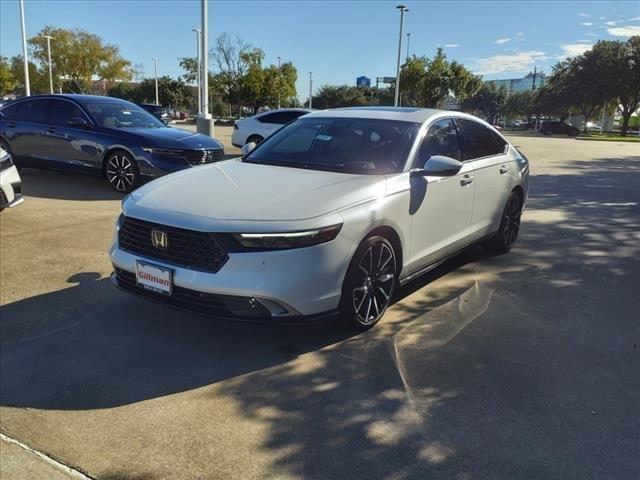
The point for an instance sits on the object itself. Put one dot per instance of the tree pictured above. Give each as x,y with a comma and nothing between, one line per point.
618,65
520,104
489,100
81,57
412,75
38,80
230,59
428,82
335,96
174,93
8,81
551,101
190,67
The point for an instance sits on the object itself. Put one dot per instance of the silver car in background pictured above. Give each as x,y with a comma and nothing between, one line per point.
327,216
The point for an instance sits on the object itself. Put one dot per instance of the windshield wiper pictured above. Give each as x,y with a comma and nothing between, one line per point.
307,165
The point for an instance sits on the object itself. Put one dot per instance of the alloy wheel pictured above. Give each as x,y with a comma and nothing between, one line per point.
511,220
374,285
120,172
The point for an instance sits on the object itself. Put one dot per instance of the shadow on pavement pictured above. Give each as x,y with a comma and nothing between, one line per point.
525,368
71,186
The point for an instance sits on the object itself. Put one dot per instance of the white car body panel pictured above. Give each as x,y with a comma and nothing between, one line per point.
433,217
267,192
8,178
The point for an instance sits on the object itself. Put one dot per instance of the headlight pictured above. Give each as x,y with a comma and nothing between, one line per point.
5,159
120,221
169,152
288,239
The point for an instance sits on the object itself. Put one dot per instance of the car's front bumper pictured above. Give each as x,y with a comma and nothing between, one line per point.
10,188
289,284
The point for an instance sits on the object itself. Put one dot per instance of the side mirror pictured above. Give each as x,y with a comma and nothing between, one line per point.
78,122
247,148
438,166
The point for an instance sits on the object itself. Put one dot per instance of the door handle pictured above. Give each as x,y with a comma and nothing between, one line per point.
466,180
51,129
11,124
503,170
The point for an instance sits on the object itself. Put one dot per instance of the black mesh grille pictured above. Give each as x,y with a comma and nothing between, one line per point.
199,157
3,198
186,248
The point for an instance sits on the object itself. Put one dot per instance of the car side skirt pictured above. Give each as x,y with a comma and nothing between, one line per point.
427,268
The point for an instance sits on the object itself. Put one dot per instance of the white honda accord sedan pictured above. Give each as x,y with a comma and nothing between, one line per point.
327,216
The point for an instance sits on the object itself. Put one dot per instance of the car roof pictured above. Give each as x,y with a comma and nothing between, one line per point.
406,114
78,98
277,110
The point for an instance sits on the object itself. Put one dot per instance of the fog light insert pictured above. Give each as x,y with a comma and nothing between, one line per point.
246,307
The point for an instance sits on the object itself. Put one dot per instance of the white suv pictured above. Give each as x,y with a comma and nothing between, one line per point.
327,216
10,183
255,129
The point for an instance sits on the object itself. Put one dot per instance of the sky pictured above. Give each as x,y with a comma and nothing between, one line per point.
339,40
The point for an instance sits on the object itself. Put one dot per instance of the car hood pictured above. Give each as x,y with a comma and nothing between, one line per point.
170,137
236,191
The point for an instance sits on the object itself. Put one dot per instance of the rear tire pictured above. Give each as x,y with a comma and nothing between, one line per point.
369,284
257,139
507,234
122,172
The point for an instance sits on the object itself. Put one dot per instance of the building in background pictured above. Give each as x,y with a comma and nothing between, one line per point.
528,82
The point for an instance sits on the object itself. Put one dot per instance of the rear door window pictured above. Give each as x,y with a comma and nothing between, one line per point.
477,140
35,111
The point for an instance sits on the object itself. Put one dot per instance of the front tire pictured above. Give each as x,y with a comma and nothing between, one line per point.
507,234
369,284
122,172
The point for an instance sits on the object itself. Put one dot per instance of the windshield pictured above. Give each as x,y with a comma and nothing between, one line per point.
122,115
353,145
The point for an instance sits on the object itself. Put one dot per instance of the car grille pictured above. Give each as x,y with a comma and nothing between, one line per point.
185,248
3,198
223,306
200,157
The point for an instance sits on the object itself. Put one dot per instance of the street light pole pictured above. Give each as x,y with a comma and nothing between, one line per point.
49,37
402,9
199,77
25,58
310,88
155,61
408,43
279,63
204,67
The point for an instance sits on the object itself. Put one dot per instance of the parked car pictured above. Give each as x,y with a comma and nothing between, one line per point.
549,127
10,183
594,127
161,113
255,129
100,136
328,215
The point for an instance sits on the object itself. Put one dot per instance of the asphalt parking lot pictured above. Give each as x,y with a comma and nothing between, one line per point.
518,366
